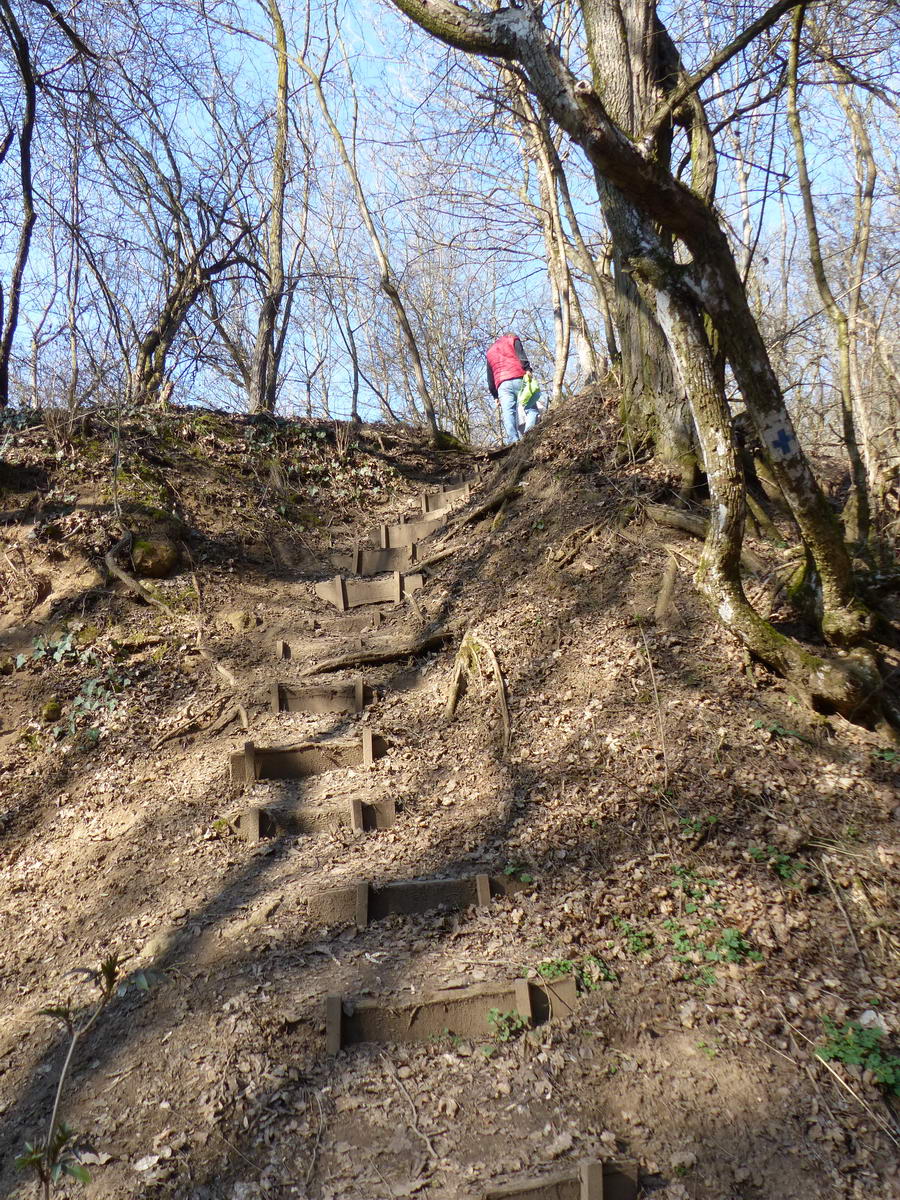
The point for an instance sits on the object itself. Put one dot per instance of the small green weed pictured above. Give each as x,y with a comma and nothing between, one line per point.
857,1045
637,940
556,968
888,756
695,889
697,826
733,947
707,1049
778,730
507,1025
58,1155
784,866
589,971
515,871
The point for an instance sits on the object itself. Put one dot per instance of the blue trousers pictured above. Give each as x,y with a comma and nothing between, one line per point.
508,395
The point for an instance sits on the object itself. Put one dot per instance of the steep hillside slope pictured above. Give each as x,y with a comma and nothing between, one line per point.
710,867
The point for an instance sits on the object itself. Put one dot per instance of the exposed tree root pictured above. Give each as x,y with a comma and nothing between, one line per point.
138,589
666,588
698,527
851,685
404,648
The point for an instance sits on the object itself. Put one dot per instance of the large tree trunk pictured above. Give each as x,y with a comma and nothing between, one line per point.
638,87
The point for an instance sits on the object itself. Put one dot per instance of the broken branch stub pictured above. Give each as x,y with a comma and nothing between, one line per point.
468,660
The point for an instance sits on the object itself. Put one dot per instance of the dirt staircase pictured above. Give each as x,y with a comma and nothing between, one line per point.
370,577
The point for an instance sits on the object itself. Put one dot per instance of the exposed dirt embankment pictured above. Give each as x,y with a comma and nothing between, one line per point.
715,865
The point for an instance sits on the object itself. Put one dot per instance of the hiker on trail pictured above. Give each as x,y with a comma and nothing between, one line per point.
507,371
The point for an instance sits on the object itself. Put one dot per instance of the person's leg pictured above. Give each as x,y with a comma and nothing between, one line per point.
508,394
531,416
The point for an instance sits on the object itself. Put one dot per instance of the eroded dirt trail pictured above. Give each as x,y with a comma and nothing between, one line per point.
634,888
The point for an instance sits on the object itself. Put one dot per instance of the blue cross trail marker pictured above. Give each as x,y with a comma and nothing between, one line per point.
780,441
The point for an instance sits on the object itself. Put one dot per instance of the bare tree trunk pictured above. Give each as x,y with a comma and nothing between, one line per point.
264,370
386,278
857,510
22,53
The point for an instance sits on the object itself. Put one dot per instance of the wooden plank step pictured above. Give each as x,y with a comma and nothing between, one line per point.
272,820
348,593
459,1011
408,532
376,562
304,759
351,623
594,1181
350,696
341,905
434,502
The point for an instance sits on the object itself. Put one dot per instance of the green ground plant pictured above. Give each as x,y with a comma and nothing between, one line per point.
506,1025
516,871
695,889
778,730
862,1046
57,1156
57,648
638,941
784,865
589,971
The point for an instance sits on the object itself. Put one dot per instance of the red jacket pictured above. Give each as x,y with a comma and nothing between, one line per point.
505,360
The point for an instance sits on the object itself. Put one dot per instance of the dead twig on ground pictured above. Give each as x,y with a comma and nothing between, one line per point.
414,1123
190,723
847,921
572,545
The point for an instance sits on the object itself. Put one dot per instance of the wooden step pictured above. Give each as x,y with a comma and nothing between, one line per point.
434,502
364,902
594,1180
351,623
349,593
272,820
409,532
462,1012
304,759
376,562
347,697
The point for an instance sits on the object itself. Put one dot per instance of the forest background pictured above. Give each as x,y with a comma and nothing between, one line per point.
248,206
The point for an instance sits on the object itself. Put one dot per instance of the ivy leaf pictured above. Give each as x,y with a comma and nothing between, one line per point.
78,1171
